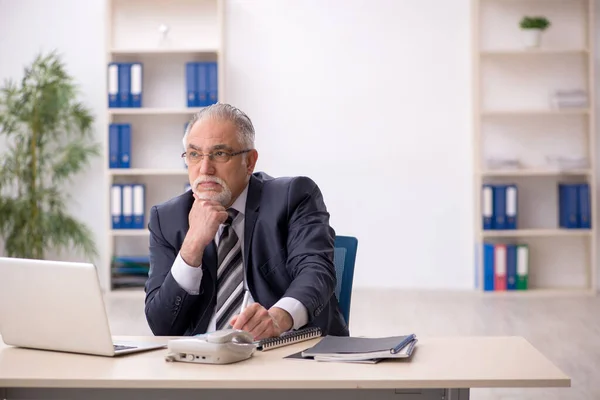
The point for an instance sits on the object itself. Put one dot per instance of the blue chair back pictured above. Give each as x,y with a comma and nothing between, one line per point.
344,258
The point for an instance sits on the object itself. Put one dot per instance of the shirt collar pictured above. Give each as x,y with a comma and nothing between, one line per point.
240,203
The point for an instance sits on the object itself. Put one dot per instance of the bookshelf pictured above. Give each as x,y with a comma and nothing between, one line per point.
517,121
163,37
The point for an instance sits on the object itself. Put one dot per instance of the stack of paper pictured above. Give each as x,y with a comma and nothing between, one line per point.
565,163
503,163
576,98
363,350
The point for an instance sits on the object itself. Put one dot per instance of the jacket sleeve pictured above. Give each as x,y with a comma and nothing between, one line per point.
168,305
310,245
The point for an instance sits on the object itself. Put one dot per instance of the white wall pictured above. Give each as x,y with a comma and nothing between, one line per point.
76,30
375,106
360,95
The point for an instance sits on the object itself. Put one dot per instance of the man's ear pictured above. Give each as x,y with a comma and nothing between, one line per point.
251,159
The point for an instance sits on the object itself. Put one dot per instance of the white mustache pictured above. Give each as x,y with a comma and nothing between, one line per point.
203,179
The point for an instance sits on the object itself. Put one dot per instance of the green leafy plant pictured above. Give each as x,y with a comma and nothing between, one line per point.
45,139
534,23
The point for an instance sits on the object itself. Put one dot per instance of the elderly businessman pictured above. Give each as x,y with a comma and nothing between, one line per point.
240,250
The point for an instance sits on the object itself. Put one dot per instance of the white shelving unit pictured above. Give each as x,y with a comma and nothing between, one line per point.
513,117
195,33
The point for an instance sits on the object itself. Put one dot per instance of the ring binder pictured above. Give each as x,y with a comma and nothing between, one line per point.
288,338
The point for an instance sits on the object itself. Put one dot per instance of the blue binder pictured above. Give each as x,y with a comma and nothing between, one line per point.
113,85
488,266
585,214
139,206
500,207
125,145
113,146
116,206
202,84
124,84
487,206
191,84
136,88
568,201
127,206
511,267
213,83
511,206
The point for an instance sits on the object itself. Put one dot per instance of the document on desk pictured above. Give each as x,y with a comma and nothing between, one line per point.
359,349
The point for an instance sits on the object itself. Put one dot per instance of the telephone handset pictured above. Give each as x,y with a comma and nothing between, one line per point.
220,347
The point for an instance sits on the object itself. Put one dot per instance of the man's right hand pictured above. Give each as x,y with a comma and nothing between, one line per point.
204,219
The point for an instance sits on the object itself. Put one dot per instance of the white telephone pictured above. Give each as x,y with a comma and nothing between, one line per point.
221,347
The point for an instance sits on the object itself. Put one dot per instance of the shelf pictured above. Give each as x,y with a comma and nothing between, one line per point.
166,51
129,232
535,233
532,52
517,114
163,37
508,113
542,292
147,172
153,111
535,172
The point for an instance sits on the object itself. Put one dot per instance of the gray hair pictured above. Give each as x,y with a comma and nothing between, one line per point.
225,112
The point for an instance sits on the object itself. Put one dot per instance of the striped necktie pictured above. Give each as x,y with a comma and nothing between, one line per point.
230,274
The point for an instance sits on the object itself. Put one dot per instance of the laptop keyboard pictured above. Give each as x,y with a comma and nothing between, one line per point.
122,347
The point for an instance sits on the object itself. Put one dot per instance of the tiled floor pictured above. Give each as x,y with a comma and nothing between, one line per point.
565,329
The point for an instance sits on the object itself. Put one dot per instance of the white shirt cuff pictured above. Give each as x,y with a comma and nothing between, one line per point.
187,277
295,309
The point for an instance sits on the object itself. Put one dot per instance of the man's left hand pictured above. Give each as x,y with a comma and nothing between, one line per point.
263,323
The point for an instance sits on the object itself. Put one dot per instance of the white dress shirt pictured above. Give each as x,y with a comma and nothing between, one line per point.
189,277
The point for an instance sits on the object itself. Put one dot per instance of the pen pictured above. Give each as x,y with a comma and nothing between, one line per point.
403,343
245,301
246,291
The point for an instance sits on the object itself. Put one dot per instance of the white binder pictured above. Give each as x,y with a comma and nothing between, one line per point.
116,206
127,207
138,206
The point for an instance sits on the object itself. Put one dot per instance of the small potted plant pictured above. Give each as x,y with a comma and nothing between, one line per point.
532,28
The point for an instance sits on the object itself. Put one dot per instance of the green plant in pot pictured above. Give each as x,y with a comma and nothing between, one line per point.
532,28
45,139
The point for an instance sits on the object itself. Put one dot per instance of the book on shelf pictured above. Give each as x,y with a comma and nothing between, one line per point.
119,145
202,85
128,206
505,266
129,271
499,206
574,209
125,84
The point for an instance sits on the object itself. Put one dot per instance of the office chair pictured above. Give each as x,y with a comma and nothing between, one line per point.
344,257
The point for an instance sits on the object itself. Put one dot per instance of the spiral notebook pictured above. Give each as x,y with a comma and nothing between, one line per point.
288,338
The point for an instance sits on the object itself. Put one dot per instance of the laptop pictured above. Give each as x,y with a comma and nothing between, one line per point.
57,305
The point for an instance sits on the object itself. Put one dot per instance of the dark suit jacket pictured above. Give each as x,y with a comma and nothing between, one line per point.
288,252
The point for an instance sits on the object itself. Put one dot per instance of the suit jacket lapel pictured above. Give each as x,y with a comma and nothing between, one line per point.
189,202
252,206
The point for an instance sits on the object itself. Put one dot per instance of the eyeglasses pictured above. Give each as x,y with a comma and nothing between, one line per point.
220,156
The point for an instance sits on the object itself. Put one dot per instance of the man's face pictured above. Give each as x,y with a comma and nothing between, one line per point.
211,179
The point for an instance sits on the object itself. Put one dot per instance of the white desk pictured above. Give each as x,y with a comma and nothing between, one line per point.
441,368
